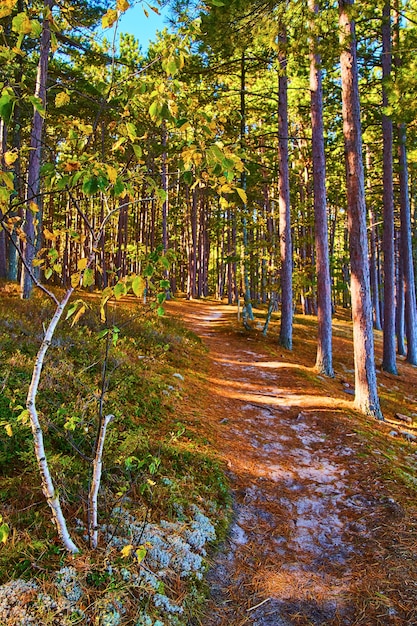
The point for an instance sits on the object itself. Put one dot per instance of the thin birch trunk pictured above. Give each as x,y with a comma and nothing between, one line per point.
95,482
48,488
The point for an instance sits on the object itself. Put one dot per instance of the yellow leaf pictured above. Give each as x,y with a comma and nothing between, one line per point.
82,264
126,551
9,430
109,18
111,173
75,279
10,157
140,554
77,316
7,179
122,5
61,99
33,207
6,8
48,235
242,195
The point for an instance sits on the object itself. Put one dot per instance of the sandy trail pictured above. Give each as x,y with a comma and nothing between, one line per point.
302,520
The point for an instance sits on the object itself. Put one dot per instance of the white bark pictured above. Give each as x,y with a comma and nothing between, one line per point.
95,483
48,487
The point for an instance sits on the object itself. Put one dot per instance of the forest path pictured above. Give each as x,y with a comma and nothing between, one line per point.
302,545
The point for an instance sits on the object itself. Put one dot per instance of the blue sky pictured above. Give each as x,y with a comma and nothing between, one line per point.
134,21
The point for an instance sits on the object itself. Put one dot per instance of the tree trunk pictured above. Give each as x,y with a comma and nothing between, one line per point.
388,354
3,252
285,334
246,281
324,362
33,205
366,394
407,252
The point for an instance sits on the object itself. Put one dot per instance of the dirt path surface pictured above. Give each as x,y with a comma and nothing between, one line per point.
306,545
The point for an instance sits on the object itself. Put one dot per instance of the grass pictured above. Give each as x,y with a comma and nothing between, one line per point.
154,464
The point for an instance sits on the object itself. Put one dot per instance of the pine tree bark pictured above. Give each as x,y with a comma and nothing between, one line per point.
406,251
3,253
286,327
366,394
246,280
324,360
33,205
388,352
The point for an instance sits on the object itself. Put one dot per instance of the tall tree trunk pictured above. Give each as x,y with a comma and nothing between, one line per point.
407,252
405,247
33,184
324,362
285,334
388,353
366,394
165,204
3,252
246,281
374,257
399,309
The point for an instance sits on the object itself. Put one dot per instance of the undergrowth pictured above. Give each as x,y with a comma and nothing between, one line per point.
163,495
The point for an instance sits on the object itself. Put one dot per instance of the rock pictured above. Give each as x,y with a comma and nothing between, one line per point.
351,392
345,384
403,418
408,436
224,420
179,376
393,433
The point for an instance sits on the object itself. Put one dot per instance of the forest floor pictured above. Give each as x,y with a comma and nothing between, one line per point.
325,520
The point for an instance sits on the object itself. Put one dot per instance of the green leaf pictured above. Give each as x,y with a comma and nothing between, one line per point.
23,417
162,194
188,177
161,311
140,553
131,131
21,24
4,532
6,107
88,278
138,151
155,110
71,310
90,186
37,105
138,286
119,290
48,273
